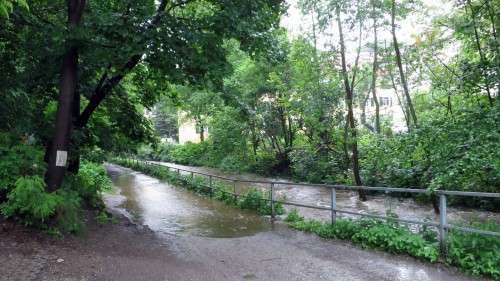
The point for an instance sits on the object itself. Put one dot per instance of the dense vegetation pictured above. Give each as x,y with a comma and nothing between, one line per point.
23,190
78,77
288,110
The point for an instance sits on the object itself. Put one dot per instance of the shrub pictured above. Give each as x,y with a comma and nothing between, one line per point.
29,203
265,163
69,211
370,233
459,152
190,153
479,254
18,160
252,200
294,216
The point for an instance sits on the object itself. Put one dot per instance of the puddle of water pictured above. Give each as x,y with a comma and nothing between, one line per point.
170,210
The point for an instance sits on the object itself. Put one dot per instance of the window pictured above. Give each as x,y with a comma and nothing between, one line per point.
385,101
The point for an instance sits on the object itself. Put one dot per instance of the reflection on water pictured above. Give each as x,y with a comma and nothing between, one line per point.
405,208
166,209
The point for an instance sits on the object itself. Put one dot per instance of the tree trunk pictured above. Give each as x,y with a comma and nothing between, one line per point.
406,91
350,116
374,71
363,113
74,143
400,101
481,54
58,154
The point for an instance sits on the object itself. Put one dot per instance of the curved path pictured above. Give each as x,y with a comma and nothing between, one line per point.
240,246
192,238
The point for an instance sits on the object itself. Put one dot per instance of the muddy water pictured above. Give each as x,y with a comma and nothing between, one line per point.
170,210
346,200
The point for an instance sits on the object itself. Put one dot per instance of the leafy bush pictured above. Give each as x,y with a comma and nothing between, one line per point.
294,216
370,233
460,152
307,165
69,211
90,181
29,203
479,254
190,153
265,163
18,160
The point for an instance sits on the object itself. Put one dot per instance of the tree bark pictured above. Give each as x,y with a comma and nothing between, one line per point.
404,83
374,71
350,115
58,150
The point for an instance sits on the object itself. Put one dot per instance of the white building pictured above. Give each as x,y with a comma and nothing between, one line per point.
389,108
189,131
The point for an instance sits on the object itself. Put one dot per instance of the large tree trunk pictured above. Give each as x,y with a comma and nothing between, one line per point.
404,83
374,71
74,143
350,115
58,150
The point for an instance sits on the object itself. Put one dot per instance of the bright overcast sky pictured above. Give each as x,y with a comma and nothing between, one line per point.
297,24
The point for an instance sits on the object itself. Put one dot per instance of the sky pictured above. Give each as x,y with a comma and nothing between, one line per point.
298,24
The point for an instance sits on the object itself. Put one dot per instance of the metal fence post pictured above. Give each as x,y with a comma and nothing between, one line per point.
192,175
442,223
234,191
210,185
334,204
272,200
178,172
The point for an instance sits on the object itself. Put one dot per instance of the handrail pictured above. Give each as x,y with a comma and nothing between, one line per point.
340,186
442,226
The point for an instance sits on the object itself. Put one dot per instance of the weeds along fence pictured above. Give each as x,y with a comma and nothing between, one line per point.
443,226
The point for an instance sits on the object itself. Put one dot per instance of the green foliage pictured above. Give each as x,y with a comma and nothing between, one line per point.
479,254
372,234
294,216
18,160
91,180
103,218
458,152
69,212
396,239
6,7
22,190
190,153
29,203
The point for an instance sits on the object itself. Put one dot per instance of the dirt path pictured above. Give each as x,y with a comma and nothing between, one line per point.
124,251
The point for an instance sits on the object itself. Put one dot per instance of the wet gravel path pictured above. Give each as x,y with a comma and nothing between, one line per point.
124,251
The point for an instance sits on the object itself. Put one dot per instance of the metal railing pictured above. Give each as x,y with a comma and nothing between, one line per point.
443,226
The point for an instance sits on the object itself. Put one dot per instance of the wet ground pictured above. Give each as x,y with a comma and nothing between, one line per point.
186,237
405,208
226,243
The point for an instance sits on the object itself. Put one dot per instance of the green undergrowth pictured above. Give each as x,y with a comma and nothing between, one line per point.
251,199
472,253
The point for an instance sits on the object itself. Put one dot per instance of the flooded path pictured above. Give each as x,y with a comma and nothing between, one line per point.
170,210
405,208
206,240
